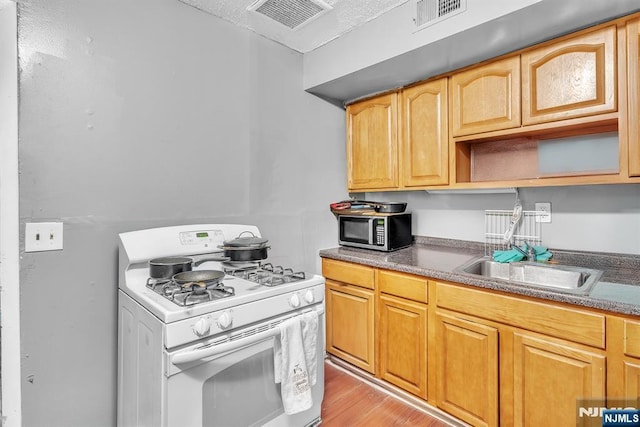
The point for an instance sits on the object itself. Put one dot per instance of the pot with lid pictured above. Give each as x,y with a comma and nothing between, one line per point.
247,247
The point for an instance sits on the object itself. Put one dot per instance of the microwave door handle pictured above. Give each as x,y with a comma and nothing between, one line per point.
371,232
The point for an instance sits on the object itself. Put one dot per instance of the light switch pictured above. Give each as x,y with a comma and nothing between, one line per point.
42,236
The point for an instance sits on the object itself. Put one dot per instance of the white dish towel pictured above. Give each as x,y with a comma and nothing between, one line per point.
294,360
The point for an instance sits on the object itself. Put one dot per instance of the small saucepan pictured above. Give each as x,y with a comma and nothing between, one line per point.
167,267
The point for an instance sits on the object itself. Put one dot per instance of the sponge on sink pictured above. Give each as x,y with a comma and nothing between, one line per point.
513,255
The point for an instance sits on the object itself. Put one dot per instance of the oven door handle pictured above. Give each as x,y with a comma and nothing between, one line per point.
213,350
206,352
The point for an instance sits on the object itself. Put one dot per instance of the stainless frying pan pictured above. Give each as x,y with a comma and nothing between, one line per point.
206,277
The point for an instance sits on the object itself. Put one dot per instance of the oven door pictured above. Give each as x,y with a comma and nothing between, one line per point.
232,384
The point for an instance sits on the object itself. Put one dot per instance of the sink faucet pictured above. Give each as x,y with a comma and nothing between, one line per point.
530,251
530,254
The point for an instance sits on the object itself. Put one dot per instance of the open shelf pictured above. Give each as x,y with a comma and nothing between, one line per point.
583,150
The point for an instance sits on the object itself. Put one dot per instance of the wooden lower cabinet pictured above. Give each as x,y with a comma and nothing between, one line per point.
632,378
491,370
549,377
467,369
402,338
350,324
487,358
623,364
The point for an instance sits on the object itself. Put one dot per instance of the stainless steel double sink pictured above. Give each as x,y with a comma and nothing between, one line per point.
557,277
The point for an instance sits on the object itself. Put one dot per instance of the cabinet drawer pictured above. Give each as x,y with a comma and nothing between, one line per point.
348,273
632,338
557,321
403,285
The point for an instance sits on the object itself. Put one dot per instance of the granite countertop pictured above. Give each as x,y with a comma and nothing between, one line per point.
618,290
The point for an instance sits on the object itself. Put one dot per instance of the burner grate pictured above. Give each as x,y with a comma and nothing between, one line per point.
266,274
188,296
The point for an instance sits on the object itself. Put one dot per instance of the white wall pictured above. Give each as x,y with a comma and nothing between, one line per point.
143,113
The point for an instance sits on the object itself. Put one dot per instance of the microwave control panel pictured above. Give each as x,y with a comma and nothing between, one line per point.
379,232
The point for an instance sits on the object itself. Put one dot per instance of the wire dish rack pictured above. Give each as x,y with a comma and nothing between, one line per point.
496,223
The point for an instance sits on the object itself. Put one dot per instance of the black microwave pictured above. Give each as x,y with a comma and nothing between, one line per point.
380,232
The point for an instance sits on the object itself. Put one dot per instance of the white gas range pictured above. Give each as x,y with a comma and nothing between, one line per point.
184,357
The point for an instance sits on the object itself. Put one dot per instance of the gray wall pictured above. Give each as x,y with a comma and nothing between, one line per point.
347,68
598,218
144,113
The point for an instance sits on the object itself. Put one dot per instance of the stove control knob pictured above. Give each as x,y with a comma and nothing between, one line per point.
294,301
201,328
308,296
225,319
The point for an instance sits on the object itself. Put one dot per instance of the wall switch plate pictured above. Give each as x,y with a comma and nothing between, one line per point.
42,236
543,207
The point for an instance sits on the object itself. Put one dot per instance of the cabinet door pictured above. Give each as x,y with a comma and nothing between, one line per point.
573,78
550,377
425,148
632,379
467,369
350,323
633,34
486,98
631,362
403,344
372,143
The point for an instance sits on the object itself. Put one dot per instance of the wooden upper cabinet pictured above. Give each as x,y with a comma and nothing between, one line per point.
425,159
372,143
633,36
486,98
572,78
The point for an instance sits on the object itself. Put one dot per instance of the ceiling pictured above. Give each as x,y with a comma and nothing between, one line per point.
342,17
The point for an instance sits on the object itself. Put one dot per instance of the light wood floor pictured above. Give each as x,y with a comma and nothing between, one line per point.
349,401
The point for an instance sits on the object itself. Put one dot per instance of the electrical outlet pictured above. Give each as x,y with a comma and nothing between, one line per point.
543,207
42,236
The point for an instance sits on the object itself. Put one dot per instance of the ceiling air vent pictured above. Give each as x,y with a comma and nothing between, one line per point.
290,13
429,12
